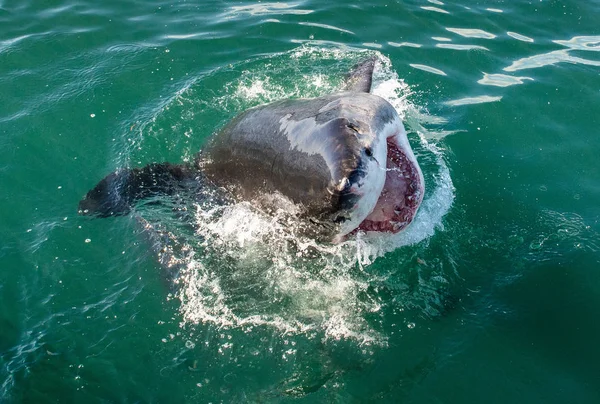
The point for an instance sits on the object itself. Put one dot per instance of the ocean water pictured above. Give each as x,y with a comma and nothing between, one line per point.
491,295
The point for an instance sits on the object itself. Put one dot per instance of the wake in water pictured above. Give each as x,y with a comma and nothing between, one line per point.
242,267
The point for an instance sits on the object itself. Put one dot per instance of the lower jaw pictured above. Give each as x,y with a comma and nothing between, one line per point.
394,225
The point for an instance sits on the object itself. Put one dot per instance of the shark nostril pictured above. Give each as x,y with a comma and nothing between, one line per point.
369,152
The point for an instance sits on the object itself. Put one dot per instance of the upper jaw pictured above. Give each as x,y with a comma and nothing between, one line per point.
363,192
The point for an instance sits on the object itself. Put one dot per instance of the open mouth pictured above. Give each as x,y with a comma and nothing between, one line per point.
401,195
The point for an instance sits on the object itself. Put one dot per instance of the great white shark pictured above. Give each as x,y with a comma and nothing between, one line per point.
343,158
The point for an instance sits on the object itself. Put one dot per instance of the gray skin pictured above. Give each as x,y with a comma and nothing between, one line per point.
320,153
255,153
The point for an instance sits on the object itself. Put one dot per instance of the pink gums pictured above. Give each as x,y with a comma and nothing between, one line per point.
401,195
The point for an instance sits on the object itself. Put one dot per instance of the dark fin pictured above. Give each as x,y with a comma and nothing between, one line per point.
361,76
117,192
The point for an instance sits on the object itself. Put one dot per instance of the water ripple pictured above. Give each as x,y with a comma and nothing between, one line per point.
372,45
55,11
549,59
193,35
587,43
579,43
472,33
428,69
519,37
280,8
563,232
7,44
436,9
501,80
460,47
473,100
406,44
326,26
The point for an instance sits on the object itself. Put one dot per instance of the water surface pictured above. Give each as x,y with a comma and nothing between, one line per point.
491,295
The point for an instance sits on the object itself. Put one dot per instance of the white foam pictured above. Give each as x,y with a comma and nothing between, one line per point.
258,89
269,264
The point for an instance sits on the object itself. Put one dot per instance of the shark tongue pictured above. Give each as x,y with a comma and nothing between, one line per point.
401,194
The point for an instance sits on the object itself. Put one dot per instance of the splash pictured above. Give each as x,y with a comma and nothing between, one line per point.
245,267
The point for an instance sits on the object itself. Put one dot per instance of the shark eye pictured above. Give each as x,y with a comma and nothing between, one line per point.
340,219
369,152
353,126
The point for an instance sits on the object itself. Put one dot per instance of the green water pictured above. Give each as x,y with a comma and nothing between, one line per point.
492,295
